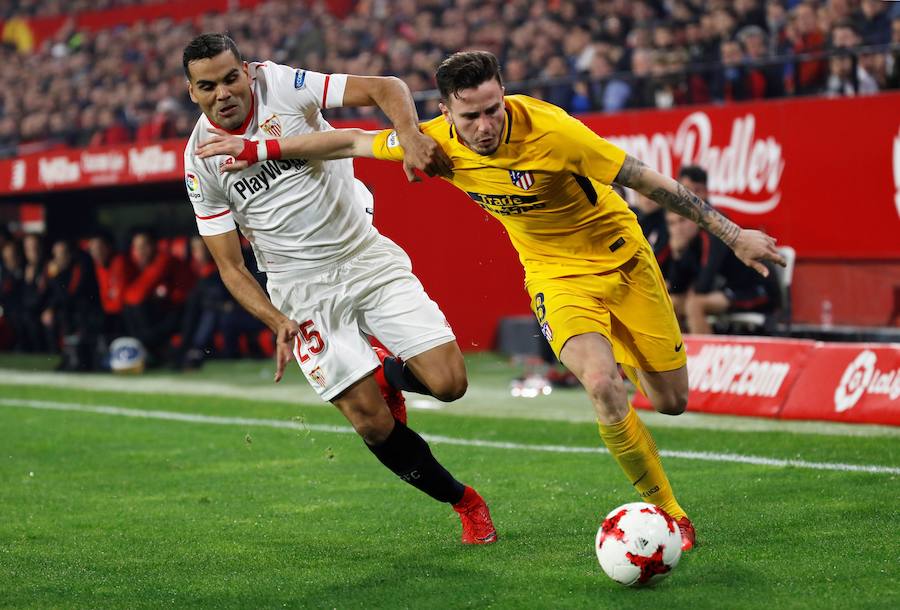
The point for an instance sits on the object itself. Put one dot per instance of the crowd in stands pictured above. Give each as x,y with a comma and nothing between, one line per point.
126,84
73,299
54,8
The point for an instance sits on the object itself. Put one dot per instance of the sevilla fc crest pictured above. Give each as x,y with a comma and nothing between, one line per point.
272,126
523,180
318,376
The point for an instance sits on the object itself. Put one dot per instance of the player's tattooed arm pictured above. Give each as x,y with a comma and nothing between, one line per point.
674,196
752,247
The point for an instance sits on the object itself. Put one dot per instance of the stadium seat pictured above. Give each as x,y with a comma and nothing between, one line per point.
776,323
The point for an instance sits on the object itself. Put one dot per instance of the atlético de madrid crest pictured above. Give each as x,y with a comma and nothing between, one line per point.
523,180
272,126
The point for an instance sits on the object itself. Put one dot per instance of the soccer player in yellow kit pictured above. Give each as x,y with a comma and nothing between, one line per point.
594,283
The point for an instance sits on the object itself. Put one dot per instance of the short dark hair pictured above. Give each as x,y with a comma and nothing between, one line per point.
466,70
205,46
148,231
694,173
846,24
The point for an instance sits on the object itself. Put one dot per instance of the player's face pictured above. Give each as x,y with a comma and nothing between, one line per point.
681,230
698,188
220,85
478,116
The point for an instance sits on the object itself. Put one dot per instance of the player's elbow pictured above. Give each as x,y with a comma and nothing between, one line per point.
230,272
393,81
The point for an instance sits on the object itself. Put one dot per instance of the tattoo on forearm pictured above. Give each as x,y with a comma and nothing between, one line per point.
684,202
630,173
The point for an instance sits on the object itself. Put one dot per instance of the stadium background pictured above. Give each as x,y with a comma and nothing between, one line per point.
818,170
221,489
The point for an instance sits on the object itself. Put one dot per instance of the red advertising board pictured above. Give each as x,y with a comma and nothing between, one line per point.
850,383
737,376
822,175
65,169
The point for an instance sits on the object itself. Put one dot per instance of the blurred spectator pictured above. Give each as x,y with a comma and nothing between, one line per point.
652,218
764,80
845,35
113,271
876,24
203,309
12,280
34,297
110,129
607,93
704,274
875,65
776,26
73,316
733,83
806,38
161,125
557,94
643,86
211,309
154,298
749,13
892,68
847,76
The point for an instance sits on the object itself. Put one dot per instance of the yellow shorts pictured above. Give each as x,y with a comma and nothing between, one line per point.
628,305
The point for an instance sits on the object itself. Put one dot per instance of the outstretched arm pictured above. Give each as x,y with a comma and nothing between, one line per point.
333,144
393,97
751,247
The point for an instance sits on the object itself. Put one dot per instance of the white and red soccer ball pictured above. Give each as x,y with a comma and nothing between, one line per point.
638,544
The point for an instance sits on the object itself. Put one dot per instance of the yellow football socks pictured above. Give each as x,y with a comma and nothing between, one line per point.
631,445
631,373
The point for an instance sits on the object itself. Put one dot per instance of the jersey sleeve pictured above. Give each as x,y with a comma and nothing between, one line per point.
304,88
583,152
386,146
210,204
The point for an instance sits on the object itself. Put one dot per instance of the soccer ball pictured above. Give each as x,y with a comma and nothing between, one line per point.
638,544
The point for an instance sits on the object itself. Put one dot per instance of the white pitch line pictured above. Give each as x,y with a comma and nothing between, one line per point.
479,401
705,456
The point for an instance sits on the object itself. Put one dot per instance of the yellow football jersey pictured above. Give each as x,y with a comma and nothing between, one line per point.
548,183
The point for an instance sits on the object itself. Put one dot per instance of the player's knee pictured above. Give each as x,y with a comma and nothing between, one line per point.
451,388
693,303
373,430
672,403
605,388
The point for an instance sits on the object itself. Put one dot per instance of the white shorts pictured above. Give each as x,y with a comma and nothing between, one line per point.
373,293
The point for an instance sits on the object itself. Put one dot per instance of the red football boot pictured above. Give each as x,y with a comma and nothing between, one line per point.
476,519
688,535
392,396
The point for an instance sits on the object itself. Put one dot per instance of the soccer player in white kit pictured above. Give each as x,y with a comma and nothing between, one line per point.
332,278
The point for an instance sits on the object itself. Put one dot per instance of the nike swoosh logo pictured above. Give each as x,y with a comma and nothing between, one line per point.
678,347
640,478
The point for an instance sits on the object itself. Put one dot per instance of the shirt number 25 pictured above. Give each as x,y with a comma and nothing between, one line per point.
310,340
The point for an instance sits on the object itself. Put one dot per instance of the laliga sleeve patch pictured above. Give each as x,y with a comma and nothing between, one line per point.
299,79
192,182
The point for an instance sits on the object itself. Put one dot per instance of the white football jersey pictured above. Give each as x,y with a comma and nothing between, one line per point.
298,214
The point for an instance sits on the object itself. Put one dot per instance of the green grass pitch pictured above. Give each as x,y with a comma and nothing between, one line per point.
102,510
